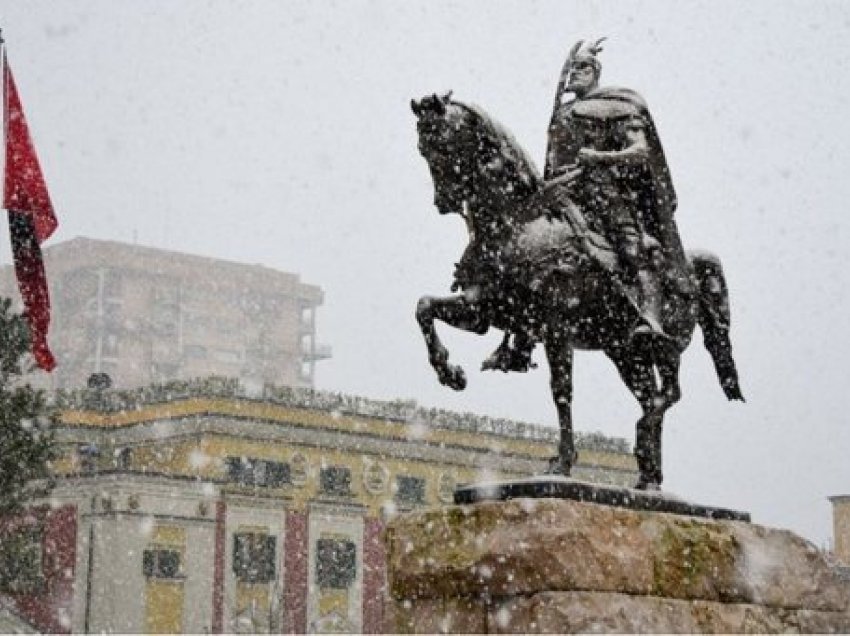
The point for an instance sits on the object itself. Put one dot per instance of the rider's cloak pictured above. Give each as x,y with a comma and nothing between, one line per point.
606,108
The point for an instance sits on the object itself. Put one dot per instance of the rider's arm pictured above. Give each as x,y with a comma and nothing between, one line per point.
634,153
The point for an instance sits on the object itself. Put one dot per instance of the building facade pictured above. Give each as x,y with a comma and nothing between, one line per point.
841,529
194,508
145,315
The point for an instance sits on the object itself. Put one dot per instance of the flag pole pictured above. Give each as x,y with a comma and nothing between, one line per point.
31,218
5,133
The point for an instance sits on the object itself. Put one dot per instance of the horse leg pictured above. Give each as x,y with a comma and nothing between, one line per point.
650,427
667,362
560,356
637,373
457,311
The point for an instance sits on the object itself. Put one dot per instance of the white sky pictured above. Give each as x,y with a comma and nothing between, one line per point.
279,132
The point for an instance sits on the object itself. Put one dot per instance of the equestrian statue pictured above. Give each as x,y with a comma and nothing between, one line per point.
587,256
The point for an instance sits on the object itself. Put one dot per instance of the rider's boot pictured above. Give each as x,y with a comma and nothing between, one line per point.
639,273
649,324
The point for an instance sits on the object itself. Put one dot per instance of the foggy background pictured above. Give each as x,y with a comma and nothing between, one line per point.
280,133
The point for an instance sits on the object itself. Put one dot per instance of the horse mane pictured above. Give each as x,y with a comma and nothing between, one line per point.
517,163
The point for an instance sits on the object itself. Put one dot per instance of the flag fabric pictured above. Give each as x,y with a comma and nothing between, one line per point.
31,219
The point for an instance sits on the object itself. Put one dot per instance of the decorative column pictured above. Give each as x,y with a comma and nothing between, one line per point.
218,568
295,585
374,576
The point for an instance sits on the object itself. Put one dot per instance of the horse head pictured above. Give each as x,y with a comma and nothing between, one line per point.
445,140
471,156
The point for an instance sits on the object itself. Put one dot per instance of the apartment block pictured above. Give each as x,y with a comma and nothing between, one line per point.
144,315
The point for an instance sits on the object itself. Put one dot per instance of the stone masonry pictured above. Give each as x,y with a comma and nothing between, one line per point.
554,566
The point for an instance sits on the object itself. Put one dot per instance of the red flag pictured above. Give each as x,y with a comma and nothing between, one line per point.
31,219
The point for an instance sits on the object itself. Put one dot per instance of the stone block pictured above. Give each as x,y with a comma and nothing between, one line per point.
604,612
436,616
528,546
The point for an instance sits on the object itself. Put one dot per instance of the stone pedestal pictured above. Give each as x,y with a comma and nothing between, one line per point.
552,565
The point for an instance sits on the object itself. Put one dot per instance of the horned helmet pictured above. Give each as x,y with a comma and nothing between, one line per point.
586,52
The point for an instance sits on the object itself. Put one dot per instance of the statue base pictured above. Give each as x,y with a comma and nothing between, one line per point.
565,488
554,565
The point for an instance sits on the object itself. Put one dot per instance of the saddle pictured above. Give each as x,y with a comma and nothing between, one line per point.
559,236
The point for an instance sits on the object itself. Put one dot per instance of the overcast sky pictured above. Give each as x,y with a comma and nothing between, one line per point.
280,133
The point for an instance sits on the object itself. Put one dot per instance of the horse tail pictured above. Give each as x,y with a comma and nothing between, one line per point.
714,319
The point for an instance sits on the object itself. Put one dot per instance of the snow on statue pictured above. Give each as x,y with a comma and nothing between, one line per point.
586,257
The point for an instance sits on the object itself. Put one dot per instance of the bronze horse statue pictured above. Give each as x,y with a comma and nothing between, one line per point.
534,265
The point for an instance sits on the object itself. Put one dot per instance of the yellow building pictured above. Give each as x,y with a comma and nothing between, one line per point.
194,507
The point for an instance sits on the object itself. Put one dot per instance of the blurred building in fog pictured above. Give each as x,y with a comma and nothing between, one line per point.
145,315
194,508
841,533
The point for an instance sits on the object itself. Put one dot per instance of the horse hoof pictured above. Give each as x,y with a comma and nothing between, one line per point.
558,467
454,378
649,485
492,363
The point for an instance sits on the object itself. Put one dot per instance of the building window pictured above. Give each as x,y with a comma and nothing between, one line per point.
164,371
167,296
258,472
410,490
110,346
161,563
112,283
277,474
304,369
112,312
307,317
228,356
88,454
164,320
21,562
123,456
239,470
335,480
197,352
336,563
109,367
254,557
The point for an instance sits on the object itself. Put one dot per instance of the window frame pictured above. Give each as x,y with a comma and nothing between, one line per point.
261,551
27,575
338,486
401,497
252,471
340,572
155,570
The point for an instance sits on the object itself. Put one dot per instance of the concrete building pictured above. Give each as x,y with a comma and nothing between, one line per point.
145,315
194,508
841,530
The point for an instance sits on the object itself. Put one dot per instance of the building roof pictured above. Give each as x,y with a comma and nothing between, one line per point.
405,412
87,251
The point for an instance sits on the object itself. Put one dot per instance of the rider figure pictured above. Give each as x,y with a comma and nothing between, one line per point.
603,147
